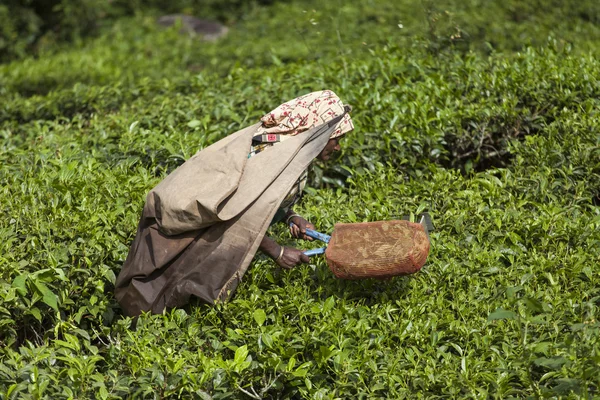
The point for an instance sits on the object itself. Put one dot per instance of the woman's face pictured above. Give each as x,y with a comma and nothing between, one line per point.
331,147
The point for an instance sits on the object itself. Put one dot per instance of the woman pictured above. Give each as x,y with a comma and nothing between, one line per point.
202,224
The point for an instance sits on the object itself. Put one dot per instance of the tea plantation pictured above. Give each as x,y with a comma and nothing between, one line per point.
484,113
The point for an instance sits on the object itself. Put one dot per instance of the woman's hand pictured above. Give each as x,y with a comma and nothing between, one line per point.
299,226
285,257
292,257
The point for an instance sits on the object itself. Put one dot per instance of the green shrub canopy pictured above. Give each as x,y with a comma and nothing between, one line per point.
485,114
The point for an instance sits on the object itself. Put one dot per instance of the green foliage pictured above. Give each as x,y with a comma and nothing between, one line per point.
285,31
502,148
35,26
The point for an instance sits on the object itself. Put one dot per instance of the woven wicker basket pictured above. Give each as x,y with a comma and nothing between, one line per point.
377,249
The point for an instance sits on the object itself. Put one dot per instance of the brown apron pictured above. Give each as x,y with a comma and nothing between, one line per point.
202,224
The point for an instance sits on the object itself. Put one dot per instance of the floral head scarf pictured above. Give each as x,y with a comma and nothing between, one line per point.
305,112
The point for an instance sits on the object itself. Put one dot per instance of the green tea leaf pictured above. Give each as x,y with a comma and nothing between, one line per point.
267,339
260,316
19,283
240,355
328,305
542,347
36,313
552,363
501,314
48,296
533,305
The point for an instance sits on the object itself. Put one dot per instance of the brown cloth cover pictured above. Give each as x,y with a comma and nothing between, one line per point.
379,249
202,225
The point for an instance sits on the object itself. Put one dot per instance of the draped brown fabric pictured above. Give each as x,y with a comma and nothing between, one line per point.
202,225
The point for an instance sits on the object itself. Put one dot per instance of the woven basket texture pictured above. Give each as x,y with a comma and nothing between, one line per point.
377,249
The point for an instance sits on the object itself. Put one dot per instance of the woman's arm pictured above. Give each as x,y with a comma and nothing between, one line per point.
270,247
285,257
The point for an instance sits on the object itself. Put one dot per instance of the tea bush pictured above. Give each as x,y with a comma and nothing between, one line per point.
502,148
287,31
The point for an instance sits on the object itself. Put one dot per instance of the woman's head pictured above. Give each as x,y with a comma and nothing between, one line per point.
306,112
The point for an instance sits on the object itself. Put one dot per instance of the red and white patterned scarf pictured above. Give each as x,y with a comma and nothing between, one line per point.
305,112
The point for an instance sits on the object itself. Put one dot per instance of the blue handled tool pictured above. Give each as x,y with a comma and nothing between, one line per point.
319,236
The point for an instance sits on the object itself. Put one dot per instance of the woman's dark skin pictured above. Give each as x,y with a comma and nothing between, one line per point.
291,256
331,147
